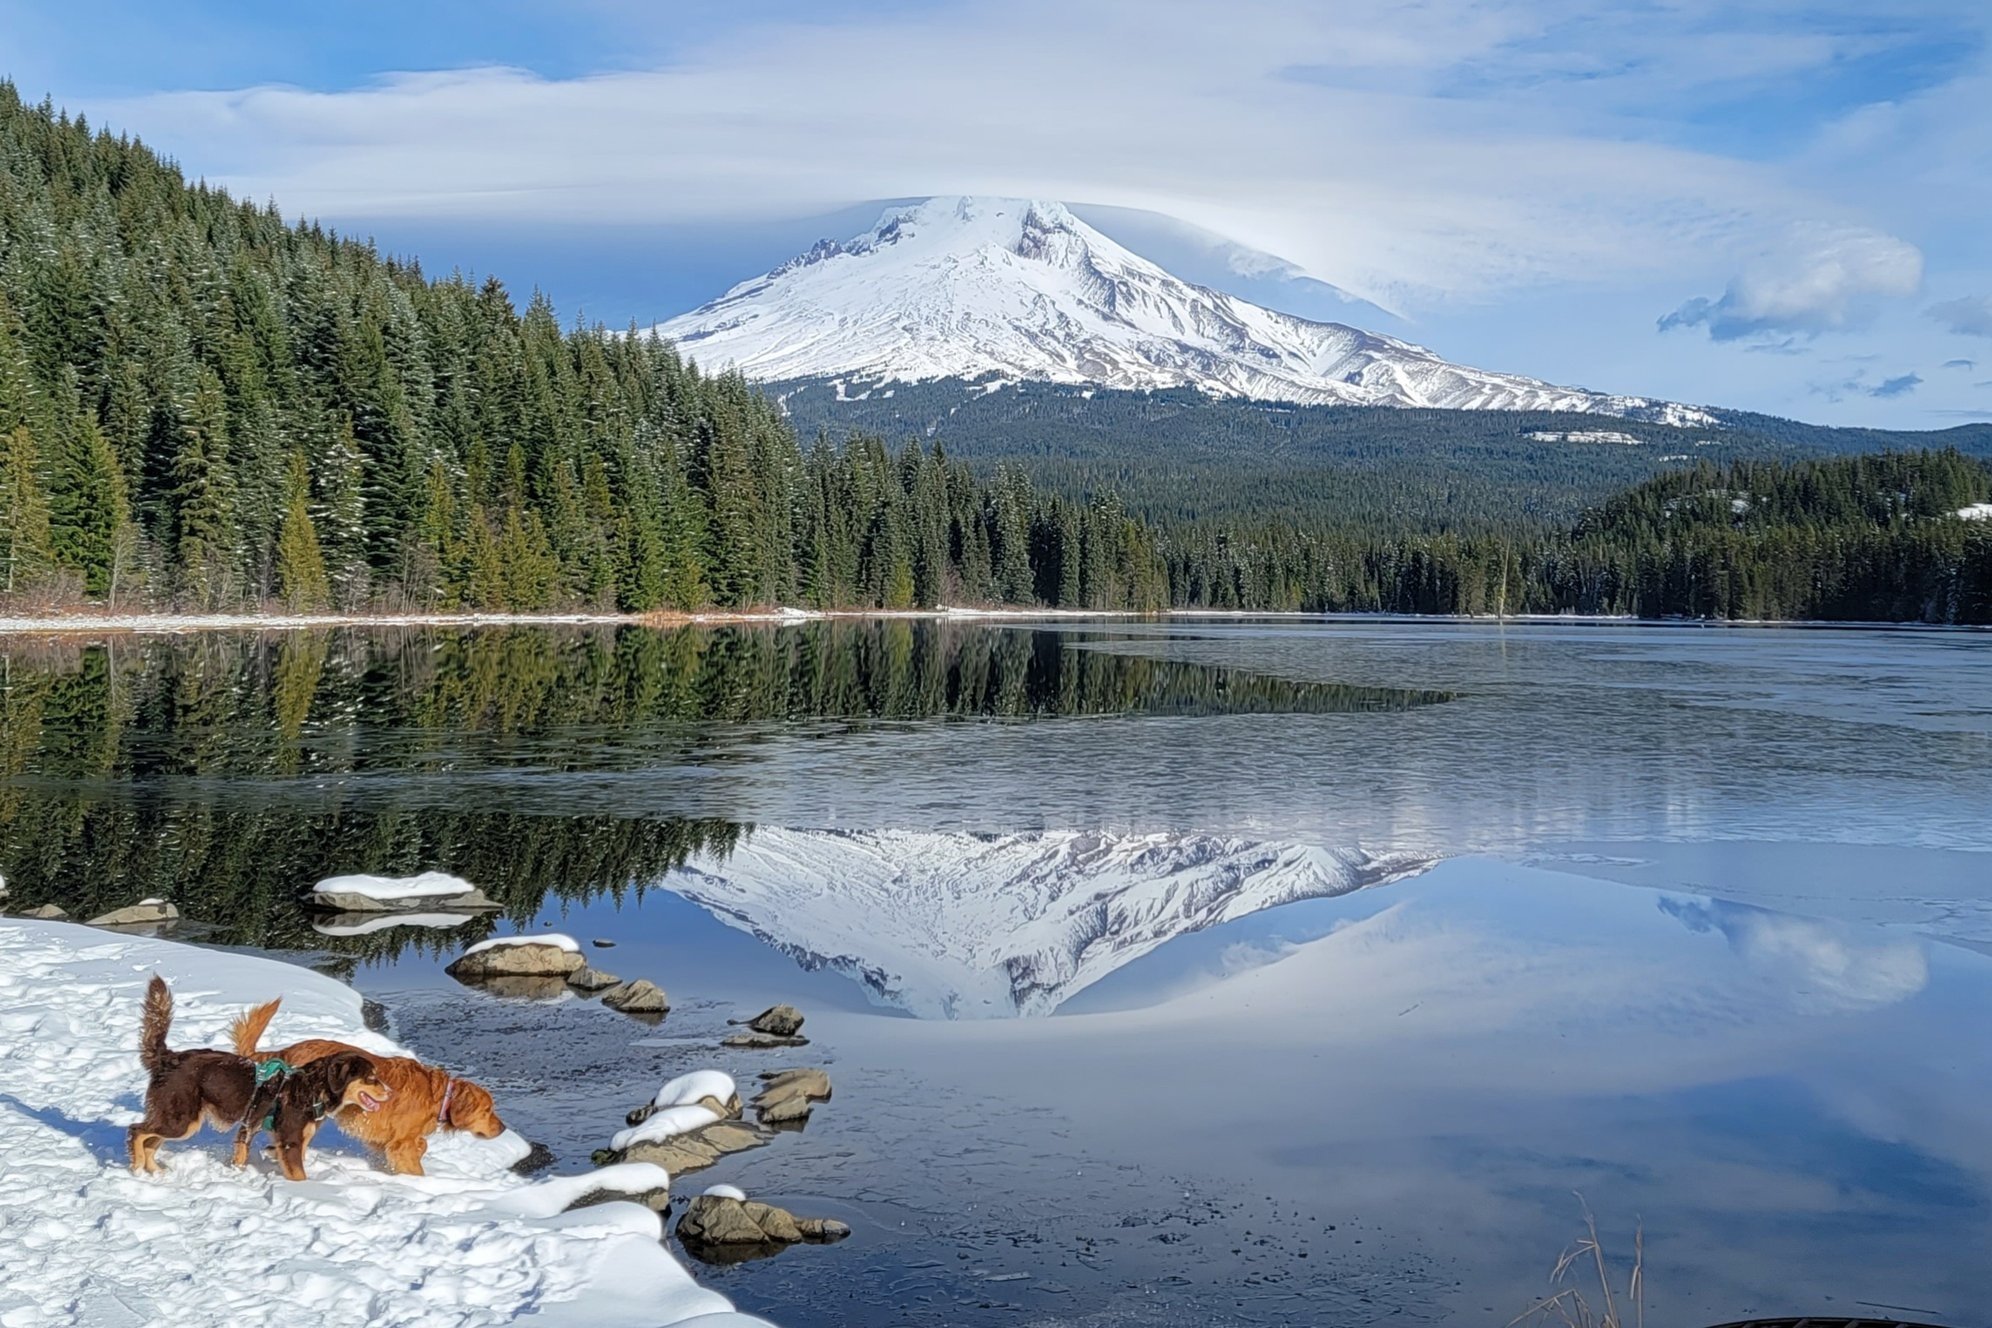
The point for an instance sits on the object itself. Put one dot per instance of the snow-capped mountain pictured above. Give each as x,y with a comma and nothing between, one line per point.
972,287
962,926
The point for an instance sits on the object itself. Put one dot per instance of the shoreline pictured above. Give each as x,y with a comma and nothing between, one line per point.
174,624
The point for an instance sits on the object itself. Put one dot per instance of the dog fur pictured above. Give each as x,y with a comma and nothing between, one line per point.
426,1097
186,1089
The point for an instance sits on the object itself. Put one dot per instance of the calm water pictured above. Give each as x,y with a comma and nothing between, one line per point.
1706,939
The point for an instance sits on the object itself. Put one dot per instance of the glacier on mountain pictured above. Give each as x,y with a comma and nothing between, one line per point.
969,288
968,926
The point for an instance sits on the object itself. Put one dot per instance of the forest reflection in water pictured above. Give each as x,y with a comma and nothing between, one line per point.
229,771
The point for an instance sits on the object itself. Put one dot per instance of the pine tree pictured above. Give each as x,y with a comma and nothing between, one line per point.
25,549
301,578
203,497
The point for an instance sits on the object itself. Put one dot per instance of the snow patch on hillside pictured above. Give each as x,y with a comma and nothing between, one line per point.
964,926
971,287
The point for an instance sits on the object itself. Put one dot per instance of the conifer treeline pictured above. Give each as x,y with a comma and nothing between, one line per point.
200,405
203,406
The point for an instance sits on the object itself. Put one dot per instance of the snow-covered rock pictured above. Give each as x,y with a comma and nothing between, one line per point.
972,287
83,1241
430,889
547,954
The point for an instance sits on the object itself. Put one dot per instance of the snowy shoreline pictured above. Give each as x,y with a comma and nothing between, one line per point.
168,624
83,1240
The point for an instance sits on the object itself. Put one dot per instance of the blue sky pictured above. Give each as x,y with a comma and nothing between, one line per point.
1775,205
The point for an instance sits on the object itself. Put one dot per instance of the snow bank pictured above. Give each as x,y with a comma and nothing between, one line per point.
552,938
84,1241
429,885
1976,512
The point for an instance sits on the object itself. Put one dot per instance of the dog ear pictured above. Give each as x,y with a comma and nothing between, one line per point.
341,1070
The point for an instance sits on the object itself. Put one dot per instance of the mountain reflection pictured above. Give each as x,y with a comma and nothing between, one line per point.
227,772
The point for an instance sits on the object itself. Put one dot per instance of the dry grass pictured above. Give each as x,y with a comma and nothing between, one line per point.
1570,1307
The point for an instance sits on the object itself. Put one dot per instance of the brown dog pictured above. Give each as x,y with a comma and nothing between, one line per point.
189,1088
426,1098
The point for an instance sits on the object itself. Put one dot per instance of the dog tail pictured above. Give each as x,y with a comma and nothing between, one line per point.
158,1018
249,1027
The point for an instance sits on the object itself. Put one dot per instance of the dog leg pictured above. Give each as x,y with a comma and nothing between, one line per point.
404,1156
290,1153
136,1141
244,1137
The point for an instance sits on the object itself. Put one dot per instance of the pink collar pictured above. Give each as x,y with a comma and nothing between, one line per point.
443,1112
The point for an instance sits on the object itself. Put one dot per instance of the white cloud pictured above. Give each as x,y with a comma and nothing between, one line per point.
1407,151
1820,280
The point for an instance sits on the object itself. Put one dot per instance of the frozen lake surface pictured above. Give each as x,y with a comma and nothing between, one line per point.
1190,973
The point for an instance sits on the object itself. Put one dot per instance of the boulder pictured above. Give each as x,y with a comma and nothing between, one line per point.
590,978
721,1225
718,1219
525,956
761,1041
696,1149
46,913
638,997
822,1230
777,1021
788,1096
429,892
147,912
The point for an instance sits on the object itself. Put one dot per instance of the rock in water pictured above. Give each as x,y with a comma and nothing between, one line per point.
590,978
777,1021
788,1096
46,913
696,1150
722,1217
822,1230
638,997
143,913
524,957
761,1041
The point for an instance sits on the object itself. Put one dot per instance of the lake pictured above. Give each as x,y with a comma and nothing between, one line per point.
1199,972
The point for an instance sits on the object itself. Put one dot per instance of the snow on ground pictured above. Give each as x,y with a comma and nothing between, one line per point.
82,1241
428,885
552,938
1976,512
965,926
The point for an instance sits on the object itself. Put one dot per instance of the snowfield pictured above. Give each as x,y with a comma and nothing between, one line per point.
964,926
1023,290
82,1241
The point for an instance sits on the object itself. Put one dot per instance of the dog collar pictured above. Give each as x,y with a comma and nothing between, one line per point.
443,1112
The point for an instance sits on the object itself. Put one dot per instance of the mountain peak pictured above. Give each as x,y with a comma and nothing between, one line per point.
968,287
